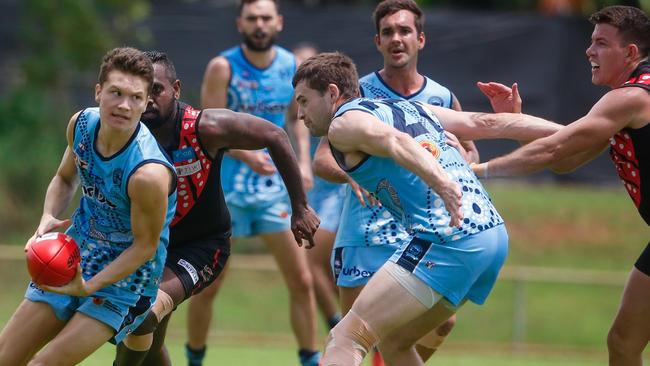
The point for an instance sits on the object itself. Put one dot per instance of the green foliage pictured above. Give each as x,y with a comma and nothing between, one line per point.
62,45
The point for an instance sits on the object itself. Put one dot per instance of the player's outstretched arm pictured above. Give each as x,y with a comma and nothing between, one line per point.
223,129
579,141
356,131
60,190
476,126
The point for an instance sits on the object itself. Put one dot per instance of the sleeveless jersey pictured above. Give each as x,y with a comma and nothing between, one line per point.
102,223
373,225
266,93
420,210
201,211
373,86
631,155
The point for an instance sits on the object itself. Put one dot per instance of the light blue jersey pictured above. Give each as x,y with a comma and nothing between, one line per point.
266,93
102,223
374,87
101,226
458,262
420,210
373,225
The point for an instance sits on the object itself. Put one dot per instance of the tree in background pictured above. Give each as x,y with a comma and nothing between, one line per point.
61,41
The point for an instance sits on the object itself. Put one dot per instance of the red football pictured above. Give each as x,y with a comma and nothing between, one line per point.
52,259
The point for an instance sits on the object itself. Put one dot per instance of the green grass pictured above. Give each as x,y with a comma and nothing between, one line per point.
563,324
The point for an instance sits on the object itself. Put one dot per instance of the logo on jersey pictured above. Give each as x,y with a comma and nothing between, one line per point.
435,100
95,193
117,176
190,269
183,154
431,147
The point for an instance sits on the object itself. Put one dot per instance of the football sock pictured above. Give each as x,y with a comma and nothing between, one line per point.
194,356
308,357
128,357
333,320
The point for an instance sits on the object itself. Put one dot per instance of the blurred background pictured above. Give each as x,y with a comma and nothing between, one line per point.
573,237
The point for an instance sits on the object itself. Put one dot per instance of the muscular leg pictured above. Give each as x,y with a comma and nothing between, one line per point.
348,296
30,328
630,332
429,344
199,313
146,345
383,306
324,287
398,348
292,261
80,337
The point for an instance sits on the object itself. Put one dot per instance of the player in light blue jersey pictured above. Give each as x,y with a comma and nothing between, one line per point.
398,151
121,225
255,77
369,235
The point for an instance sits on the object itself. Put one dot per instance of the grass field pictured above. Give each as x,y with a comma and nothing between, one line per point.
531,322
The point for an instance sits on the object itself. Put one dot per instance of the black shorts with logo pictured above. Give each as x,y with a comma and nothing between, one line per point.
643,263
198,263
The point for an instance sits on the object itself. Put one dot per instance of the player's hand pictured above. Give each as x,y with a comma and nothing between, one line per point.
502,98
452,196
76,287
362,195
48,223
304,223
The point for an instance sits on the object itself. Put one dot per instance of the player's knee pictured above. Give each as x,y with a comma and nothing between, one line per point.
622,343
349,342
301,285
148,325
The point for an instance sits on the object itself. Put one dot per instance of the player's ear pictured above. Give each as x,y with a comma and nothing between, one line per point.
98,90
280,23
632,51
422,40
177,89
334,91
377,40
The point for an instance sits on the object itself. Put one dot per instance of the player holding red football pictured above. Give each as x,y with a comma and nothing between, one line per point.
121,225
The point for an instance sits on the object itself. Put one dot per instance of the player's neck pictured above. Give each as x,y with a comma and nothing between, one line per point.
165,133
405,81
259,59
110,141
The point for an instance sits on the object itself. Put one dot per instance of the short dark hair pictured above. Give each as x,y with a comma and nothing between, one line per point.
329,68
158,57
389,7
128,60
632,23
241,4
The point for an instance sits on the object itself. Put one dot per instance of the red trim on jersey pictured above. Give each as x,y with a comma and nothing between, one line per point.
643,79
190,186
624,157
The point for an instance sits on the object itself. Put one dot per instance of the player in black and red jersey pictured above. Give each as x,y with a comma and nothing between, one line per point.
620,45
199,243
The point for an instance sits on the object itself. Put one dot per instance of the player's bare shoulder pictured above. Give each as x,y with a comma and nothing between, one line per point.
150,180
217,70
